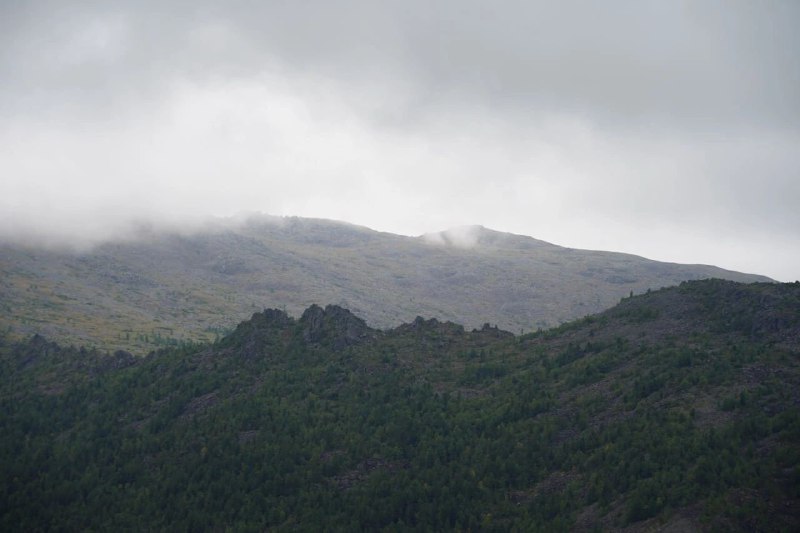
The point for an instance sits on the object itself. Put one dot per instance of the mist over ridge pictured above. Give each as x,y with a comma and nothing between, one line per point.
669,131
193,283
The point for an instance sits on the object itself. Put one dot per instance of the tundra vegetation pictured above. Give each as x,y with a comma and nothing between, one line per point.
165,289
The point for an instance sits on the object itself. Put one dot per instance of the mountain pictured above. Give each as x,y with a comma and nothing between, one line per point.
675,410
161,288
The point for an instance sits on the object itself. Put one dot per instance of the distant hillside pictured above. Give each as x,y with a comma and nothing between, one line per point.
677,410
166,287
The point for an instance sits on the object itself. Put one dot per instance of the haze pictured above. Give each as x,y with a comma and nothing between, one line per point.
669,130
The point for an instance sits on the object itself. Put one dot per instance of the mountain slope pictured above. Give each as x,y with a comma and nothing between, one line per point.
678,409
164,287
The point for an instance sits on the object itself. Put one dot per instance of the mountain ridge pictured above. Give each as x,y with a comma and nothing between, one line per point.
174,287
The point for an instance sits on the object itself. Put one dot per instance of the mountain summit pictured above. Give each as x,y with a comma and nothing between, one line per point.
480,237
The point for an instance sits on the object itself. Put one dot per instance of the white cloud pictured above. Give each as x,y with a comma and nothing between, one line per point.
665,131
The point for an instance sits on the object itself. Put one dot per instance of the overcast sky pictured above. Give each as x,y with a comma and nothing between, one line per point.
666,129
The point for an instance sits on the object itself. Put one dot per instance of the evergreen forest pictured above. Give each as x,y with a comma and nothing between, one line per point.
677,408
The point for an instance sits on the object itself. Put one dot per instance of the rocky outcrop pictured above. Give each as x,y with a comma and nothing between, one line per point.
262,334
334,326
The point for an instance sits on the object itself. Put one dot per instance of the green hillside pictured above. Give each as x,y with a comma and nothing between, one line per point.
677,409
160,289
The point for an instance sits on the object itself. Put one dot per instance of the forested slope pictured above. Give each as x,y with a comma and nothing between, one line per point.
679,407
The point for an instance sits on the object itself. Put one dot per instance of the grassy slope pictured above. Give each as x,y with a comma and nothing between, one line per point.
134,295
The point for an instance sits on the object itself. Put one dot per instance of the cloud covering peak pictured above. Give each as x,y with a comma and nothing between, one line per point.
670,130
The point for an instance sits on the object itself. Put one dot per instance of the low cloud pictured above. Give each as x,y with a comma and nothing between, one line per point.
461,237
667,130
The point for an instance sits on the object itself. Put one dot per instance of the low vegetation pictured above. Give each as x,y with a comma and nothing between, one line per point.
167,289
